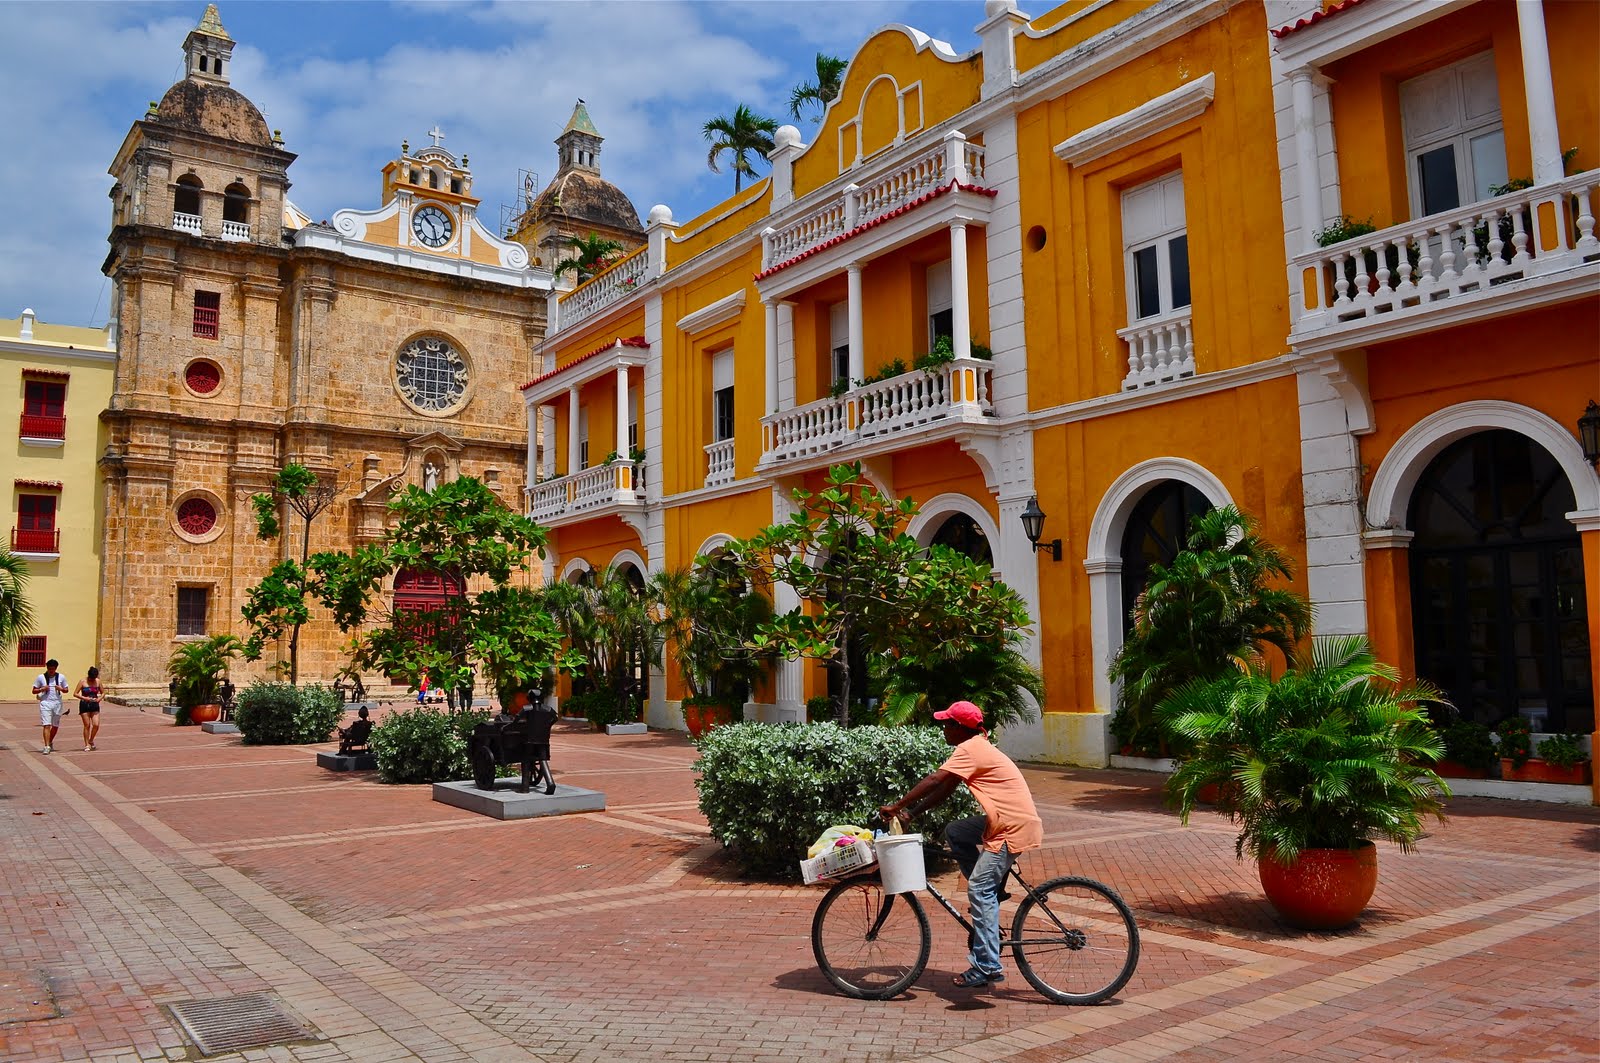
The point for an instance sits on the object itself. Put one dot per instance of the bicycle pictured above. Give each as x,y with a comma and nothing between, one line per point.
1073,938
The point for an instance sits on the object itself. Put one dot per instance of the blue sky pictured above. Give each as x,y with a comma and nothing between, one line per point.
346,82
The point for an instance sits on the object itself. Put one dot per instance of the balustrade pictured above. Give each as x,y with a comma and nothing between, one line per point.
585,490
617,281
1444,256
719,463
35,540
41,426
188,223
1159,349
883,409
236,230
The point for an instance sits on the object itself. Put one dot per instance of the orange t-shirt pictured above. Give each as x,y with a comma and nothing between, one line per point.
997,783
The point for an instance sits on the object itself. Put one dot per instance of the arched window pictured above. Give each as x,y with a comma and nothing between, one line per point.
1497,589
961,533
1157,529
186,197
236,203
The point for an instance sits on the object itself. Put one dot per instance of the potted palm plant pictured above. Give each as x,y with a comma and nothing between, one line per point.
1312,765
711,617
197,670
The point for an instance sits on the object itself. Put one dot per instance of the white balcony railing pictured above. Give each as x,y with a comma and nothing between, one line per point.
589,489
1159,349
188,223
618,281
1409,267
951,159
237,231
895,407
719,463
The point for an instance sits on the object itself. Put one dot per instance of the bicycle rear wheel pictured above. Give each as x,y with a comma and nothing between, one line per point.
870,944
1077,943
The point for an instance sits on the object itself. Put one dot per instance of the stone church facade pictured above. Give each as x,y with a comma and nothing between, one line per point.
378,350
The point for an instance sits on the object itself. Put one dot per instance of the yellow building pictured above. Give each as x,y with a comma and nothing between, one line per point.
54,381
1107,209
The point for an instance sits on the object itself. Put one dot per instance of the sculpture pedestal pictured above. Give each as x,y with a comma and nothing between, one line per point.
348,762
217,727
506,803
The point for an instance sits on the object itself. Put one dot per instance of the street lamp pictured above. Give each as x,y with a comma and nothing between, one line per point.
1033,527
1589,432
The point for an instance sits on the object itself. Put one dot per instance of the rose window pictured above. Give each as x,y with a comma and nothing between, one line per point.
202,377
196,516
431,375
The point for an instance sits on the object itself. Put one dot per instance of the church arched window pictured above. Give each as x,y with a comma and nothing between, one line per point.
236,203
186,197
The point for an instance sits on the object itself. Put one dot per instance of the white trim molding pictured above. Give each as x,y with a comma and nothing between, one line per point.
629,557
1400,469
1103,562
936,510
712,314
1163,112
576,566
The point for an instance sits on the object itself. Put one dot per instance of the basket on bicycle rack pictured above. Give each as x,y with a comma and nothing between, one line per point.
838,861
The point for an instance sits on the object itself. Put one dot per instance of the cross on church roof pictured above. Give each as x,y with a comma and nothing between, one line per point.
436,133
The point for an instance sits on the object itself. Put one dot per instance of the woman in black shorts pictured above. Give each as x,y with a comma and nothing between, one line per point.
88,694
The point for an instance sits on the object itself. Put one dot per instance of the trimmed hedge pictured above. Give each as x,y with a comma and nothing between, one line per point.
281,714
768,791
424,744
601,707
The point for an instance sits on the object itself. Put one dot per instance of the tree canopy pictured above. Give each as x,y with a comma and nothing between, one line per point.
16,614
739,135
821,91
591,254
282,600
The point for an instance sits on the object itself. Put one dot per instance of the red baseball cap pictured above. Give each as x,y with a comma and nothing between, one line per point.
965,713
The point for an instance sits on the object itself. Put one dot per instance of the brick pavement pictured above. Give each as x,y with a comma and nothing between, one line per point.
172,865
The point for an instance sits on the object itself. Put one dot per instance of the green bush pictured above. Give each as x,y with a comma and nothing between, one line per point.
1516,741
601,707
1563,751
281,714
423,745
1470,744
767,791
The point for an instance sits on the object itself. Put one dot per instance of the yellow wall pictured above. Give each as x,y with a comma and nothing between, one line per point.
64,593
1076,284
1069,25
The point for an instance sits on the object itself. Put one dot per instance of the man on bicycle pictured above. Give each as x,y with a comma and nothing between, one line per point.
983,845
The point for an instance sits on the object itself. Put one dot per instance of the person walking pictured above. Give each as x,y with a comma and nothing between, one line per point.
88,694
422,691
47,691
983,845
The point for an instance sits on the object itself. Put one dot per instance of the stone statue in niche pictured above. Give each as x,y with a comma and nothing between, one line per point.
430,477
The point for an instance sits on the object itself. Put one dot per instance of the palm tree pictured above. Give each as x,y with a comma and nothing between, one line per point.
821,92
1215,604
739,135
16,615
591,254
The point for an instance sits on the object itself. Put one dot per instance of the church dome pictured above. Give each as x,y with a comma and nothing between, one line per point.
587,197
214,109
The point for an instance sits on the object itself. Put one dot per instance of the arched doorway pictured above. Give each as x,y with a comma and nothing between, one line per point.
636,663
1156,530
421,602
1497,593
963,535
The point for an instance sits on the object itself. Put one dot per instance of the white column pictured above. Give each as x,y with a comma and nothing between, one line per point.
857,342
1543,138
622,413
573,467
1305,157
789,687
771,307
960,306
547,439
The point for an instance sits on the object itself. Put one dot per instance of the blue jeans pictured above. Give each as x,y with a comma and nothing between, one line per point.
986,873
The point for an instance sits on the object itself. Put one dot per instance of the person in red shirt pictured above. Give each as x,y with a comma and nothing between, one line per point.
983,845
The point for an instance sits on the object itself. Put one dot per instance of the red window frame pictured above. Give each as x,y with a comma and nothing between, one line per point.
31,651
207,314
44,409
36,512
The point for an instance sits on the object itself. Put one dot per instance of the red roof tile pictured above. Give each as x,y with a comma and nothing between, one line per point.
47,485
631,341
1316,17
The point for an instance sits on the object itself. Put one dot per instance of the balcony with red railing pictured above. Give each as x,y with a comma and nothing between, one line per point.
35,540
42,426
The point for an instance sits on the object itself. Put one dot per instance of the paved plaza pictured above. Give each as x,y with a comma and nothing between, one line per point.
171,866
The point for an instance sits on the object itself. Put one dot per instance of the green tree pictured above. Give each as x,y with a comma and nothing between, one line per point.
609,628
820,92
16,614
859,576
463,533
590,255
740,135
711,617
282,600
1215,604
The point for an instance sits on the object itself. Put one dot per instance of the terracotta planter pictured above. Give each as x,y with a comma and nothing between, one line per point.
1543,771
1325,889
1450,769
702,718
519,701
204,713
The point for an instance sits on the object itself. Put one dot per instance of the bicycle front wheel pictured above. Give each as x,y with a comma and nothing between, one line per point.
870,944
1075,941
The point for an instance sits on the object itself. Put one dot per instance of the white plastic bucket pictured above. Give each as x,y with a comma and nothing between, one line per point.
900,862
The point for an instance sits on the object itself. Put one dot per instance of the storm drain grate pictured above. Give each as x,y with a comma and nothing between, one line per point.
248,1021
